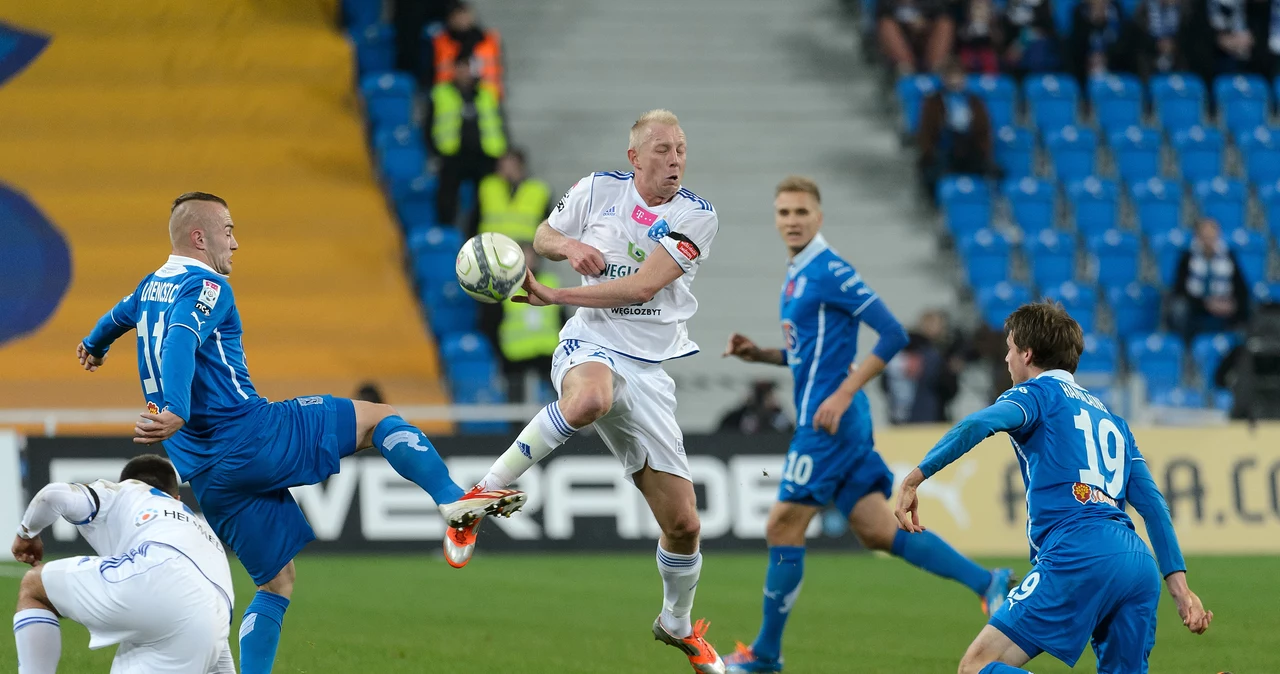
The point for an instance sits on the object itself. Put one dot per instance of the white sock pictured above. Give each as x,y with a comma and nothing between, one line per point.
679,582
39,640
545,432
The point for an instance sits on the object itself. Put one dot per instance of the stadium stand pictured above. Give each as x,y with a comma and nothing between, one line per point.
124,110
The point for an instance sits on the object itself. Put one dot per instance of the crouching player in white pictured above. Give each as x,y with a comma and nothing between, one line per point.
637,238
160,587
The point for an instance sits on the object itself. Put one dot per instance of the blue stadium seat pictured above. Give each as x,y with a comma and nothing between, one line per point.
1222,399
434,251
1116,100
361,13
1242,100
402,163
1178,100
1114,258
375,47
388,98
472,368
1208,351
1099,363
1199,151
1052,257
389,136
1266,293
1157,204
1015,151
1251,252
1072,150
1158,358
998,301
912,90
1177,396
1269,197
415,202
1095,202
1032,204
449,309
999,93
480,392
1081,301
1137,153
1052,100
1167,248
1225,200
966,204
986,257
1260,152
1135,309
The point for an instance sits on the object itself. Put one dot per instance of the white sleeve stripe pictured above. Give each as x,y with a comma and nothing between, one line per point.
184,325
1140,458
864,305
113,319
1025,417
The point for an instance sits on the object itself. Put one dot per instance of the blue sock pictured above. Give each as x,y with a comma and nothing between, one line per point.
1000,668
932,554
781,589
413,456
260,632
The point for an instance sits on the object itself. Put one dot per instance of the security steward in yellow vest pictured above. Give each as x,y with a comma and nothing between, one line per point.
510,202
467,134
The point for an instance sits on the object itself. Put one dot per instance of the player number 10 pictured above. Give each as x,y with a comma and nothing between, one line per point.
1111,443
798,468
150,384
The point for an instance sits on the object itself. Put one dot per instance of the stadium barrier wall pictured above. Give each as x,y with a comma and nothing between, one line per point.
1223,487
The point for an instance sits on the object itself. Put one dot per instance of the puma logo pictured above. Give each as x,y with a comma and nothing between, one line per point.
950,493
199,323
407,437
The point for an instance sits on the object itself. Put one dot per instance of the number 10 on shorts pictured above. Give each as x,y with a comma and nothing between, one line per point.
798,468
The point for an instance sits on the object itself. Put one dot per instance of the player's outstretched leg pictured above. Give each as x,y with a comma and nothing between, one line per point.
873,522
674,505
785,535
263,618
993,653
36,632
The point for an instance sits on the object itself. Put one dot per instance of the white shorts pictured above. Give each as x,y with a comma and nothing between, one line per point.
641,427
167,617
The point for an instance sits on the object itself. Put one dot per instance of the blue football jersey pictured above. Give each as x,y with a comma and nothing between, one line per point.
822,300
186,294
1075,457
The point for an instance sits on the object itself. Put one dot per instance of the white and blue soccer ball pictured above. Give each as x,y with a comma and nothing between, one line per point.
490,267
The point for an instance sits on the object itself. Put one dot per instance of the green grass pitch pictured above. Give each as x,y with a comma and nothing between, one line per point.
567,614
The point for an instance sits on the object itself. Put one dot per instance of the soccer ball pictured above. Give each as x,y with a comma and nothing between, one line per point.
490,267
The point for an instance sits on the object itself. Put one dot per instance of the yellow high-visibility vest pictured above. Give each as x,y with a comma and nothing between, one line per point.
516,215
446,125
528,332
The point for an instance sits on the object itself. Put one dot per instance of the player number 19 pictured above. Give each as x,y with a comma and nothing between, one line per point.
1111,443
150,384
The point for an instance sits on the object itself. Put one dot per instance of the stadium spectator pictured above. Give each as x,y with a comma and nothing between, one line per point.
370,393
1159,27
978,36
461,40
468,134
1096,46
955,131
411,18
916,35
1031,37
759,413
1242,33
510,202
921,381
526,335
1209,292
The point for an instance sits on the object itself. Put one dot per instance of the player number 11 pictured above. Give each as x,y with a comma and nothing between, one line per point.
1111,443
150,384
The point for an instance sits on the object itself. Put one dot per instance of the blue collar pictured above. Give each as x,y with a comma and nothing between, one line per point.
816,247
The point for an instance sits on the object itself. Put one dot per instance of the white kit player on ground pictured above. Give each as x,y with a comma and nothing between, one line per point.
160,586
637,238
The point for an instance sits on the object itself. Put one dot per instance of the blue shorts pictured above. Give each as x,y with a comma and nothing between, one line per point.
1098,583
822,469
245,494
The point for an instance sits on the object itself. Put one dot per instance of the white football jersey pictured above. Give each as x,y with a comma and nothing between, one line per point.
605,211
127,514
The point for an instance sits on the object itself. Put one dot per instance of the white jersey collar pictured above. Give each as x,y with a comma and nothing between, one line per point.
1062,375
815,247
185,261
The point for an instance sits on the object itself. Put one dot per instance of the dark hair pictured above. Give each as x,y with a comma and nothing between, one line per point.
517,154
154,470
197,196
1053,336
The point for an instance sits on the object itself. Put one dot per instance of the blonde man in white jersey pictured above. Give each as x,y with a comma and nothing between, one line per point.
160,587
638,239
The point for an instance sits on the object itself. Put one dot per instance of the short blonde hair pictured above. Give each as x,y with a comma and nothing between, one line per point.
659,116
799,184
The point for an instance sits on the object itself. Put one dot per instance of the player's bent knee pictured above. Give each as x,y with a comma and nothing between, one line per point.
586,405
684,528
786,526
31,591
282,584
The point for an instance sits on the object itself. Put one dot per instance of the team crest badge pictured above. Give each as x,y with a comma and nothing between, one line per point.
152,408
